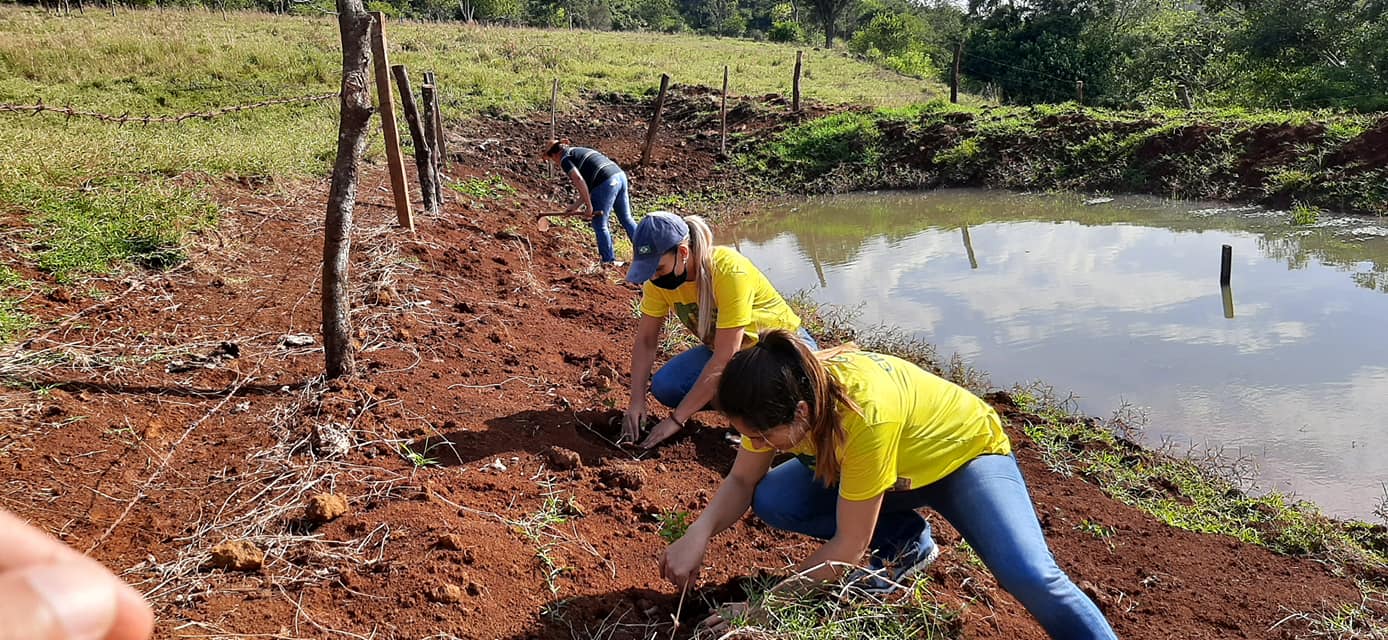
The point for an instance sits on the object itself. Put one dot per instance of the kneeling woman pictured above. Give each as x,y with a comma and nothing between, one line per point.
875,438
717,293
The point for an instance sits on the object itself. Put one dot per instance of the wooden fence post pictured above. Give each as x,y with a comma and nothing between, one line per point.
1079,92
423,160
723,117
1183,92
387,107
795,84
954,74
655,120
428,96
440,137
553,121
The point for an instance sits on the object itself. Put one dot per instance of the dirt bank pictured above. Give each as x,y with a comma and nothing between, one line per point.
178,411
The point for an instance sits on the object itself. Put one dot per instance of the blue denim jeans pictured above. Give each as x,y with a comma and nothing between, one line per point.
611,197
673,381
986,500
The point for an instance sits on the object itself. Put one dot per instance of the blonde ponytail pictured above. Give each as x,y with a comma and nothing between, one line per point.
701,252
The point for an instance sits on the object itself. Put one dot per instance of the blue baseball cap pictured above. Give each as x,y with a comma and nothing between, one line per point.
659,232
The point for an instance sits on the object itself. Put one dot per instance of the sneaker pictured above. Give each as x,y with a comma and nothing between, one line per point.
882,578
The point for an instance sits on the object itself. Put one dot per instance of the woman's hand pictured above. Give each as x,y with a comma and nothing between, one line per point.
667,427
632,422
683,559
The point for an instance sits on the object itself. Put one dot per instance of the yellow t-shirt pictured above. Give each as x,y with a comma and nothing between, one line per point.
915,428
742,295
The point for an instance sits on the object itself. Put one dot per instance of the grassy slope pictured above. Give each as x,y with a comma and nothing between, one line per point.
1277,157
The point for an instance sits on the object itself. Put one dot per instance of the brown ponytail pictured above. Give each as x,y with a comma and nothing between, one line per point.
762,386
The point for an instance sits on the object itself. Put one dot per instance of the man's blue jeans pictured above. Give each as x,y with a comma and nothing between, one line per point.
986,500
611,197
673,381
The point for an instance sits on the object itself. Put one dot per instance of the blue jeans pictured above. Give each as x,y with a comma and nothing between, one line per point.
611,197
673,381
986,500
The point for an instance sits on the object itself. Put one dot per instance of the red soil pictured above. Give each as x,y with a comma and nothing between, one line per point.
480,341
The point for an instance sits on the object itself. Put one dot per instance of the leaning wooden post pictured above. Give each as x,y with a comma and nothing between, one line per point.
440,138
954,74
795,84
1183,92
428,96
387,106
1226,265
1079,92
423,160
655,120
553,121
355,27
723,117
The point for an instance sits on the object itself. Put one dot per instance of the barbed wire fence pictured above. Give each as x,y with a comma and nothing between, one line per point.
126,118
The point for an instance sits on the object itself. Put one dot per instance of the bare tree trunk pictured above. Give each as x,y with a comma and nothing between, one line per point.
355,27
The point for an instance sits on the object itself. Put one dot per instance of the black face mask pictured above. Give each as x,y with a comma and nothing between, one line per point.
672,280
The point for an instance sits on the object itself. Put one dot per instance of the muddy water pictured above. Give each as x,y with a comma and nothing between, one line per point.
1120,303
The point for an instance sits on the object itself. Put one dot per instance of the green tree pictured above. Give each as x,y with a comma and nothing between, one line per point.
828,13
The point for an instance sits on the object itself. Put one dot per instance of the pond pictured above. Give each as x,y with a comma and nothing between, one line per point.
1119,302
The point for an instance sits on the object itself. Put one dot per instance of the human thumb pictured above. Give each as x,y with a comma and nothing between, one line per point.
68,601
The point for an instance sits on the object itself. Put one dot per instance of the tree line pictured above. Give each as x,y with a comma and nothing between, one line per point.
1295,54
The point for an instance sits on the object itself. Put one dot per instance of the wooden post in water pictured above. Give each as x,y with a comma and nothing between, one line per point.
423,149
1228,294
387,107
954,74
655,120
969,248
723,117
1226,265
795,85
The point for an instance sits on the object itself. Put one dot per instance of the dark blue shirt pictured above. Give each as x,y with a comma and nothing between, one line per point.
594,167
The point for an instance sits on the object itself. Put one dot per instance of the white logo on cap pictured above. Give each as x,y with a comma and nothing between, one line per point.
644,249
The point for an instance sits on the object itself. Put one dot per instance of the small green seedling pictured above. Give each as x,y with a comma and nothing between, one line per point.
1098,531
418,459
673,525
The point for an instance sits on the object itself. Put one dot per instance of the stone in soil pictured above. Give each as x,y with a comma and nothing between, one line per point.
622,476
561,459
237,555
446,594
325,507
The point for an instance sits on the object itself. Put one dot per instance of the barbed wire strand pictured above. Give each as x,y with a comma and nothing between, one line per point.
70,113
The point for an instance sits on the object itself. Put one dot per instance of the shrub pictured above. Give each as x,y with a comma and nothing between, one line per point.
786,31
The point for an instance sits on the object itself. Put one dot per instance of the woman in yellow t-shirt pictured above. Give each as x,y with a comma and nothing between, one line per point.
717,293
875,438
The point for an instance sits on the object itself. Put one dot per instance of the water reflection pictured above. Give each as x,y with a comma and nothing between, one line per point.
1121,302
